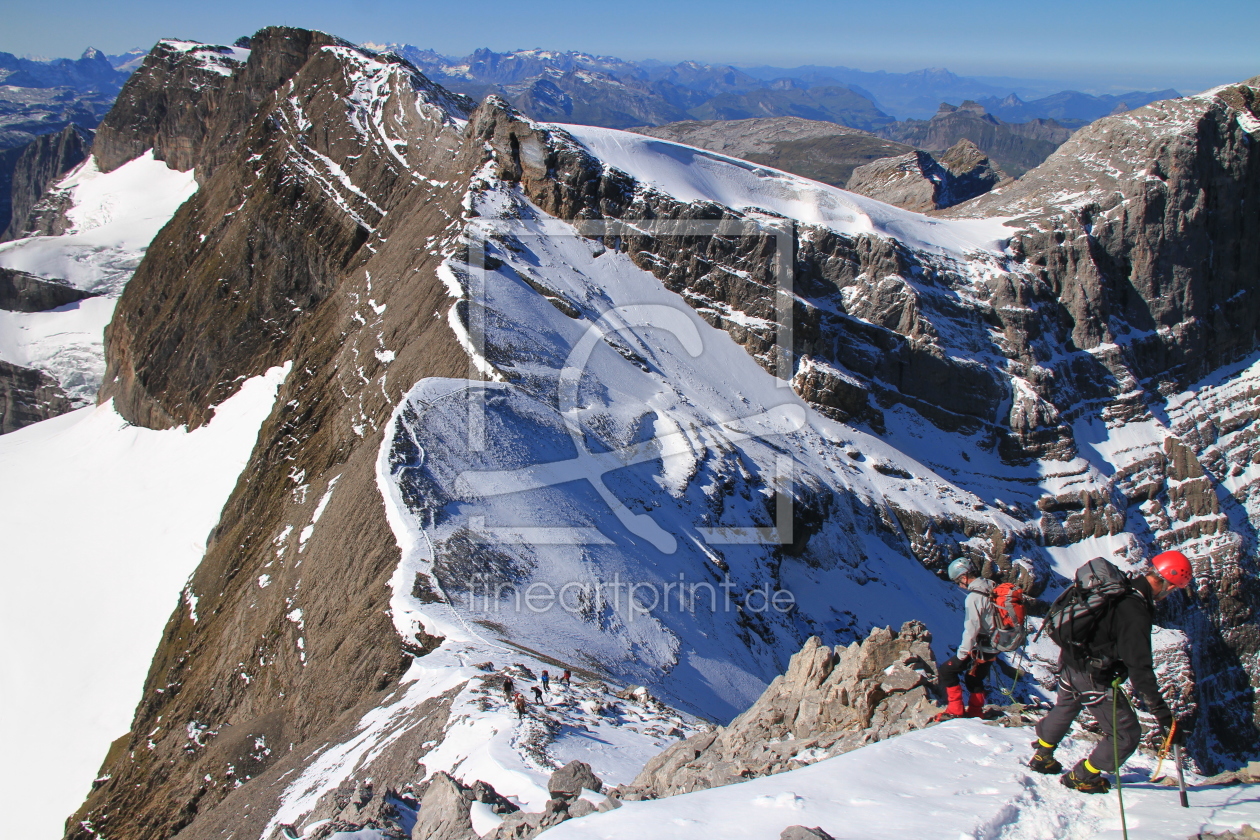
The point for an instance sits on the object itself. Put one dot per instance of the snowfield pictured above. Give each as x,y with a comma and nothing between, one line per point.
692,174
113,217
639,444
961,780
103,522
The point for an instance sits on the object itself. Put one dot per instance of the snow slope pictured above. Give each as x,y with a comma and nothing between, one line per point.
113,217
691,174
638,445
962,779
102,522
484,739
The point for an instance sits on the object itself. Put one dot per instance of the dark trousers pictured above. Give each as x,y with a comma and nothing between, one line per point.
971,671
1077,691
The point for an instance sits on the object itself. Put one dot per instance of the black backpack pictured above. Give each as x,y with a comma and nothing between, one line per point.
1074,615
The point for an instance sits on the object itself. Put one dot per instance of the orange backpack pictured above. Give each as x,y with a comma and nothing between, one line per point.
1010,634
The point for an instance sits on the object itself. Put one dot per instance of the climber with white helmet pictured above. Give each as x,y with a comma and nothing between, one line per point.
975,654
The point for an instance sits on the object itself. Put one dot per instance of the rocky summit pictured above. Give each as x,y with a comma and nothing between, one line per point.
921,182
584,401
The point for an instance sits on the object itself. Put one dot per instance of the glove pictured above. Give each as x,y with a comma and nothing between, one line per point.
1184,727
1165,720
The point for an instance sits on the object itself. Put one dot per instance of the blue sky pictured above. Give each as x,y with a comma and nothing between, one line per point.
1108,43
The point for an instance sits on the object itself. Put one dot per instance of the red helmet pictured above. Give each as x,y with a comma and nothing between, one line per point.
1174,568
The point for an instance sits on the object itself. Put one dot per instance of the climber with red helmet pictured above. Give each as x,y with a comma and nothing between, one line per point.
1117,647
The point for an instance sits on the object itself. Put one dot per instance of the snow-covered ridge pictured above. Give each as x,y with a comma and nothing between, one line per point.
689,173
213,57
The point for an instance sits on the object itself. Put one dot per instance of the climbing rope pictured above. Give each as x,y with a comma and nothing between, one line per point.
1009,693
1163,752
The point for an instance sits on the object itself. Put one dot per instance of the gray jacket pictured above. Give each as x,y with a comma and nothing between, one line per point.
980,620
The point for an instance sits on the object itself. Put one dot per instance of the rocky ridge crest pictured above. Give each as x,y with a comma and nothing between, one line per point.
828,702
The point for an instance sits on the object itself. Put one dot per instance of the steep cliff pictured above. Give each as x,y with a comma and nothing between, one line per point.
37,167
28,396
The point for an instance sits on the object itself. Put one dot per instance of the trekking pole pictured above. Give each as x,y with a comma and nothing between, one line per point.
1115,743
1181,777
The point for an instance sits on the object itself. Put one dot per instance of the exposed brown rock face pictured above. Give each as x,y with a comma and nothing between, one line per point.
28,396
297,265
40,164
827,703
920,182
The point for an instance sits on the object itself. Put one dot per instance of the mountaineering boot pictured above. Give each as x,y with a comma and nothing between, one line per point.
955,708
1043,760
975,704
1085,778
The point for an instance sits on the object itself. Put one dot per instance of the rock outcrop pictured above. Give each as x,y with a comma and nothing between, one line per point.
920,182
22,292
800,832
36,168
28,396
828,702
1015,147
566,803
443,812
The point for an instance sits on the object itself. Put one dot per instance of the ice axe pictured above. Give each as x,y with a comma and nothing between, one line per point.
1181,776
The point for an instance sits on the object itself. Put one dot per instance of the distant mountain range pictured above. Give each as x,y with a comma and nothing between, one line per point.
565,85
1071,107
43,97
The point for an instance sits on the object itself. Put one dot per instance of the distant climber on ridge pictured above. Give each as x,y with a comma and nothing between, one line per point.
1103,627
975,654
